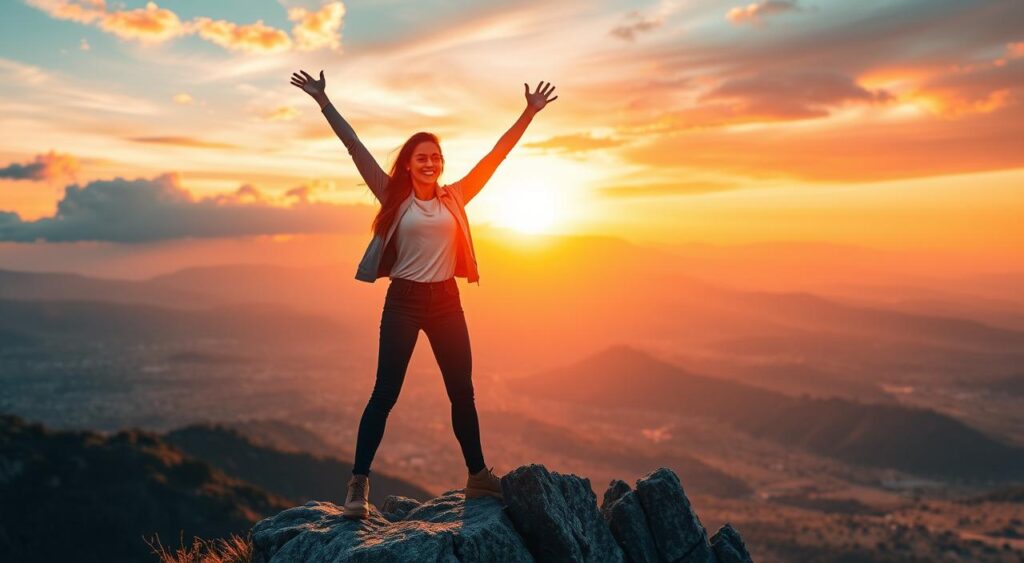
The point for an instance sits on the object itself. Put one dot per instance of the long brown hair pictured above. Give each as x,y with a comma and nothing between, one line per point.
400,185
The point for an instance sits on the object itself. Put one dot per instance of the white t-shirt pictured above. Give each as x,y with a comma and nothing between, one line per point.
425,242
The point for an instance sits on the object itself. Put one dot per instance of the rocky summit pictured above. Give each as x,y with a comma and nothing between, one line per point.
546,516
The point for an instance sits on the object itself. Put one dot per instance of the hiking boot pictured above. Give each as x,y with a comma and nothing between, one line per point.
357,501
483,483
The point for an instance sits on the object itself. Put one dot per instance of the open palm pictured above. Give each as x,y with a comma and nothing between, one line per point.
308,84
537,100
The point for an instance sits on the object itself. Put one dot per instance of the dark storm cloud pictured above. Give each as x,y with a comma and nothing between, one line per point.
922,33
144,210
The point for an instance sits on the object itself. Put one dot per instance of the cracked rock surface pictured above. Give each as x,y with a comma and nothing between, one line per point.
546,516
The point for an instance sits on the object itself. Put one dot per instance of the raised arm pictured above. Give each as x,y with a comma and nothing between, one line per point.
482,172
374,176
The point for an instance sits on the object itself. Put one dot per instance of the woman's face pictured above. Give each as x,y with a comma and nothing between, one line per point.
426,163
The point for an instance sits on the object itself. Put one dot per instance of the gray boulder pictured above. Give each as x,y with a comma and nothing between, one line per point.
480,528
395,507
306,532
548,517
628,524
677,531
446,528
557,516
616,488
729,547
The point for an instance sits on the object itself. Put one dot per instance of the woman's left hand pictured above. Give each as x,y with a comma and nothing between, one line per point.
537,100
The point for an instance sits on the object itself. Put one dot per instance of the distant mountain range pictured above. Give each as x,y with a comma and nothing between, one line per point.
83,496
910,439
541,307
866,345
24,323
40,286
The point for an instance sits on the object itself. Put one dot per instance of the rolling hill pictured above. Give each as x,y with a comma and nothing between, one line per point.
298,476
910,439
33,321
101,495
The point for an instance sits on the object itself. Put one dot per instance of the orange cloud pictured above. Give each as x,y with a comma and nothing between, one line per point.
49,166
244,195
953,105
182,99
253,38
576,143
971,89
666,189
282,113
315,30
756,12
301,193
153,24
149,24
1013,51
184,142
873,150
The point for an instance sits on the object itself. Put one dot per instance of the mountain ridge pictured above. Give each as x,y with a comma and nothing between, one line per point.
913,439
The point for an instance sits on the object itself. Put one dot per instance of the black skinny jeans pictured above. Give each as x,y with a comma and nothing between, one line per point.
437,310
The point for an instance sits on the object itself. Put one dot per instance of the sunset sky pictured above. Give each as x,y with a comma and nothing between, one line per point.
894,125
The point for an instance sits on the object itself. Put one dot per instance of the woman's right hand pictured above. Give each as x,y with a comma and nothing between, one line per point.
308,84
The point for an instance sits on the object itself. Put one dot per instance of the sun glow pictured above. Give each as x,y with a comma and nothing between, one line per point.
532,210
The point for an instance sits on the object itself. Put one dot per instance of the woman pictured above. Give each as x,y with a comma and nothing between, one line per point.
422,242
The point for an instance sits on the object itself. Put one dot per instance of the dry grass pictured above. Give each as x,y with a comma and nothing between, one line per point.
234,549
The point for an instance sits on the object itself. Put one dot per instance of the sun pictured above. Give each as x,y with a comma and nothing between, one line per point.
531,210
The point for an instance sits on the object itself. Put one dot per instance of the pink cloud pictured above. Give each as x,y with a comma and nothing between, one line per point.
756,12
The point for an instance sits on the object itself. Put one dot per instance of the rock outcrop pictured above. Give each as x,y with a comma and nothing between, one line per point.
547,516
